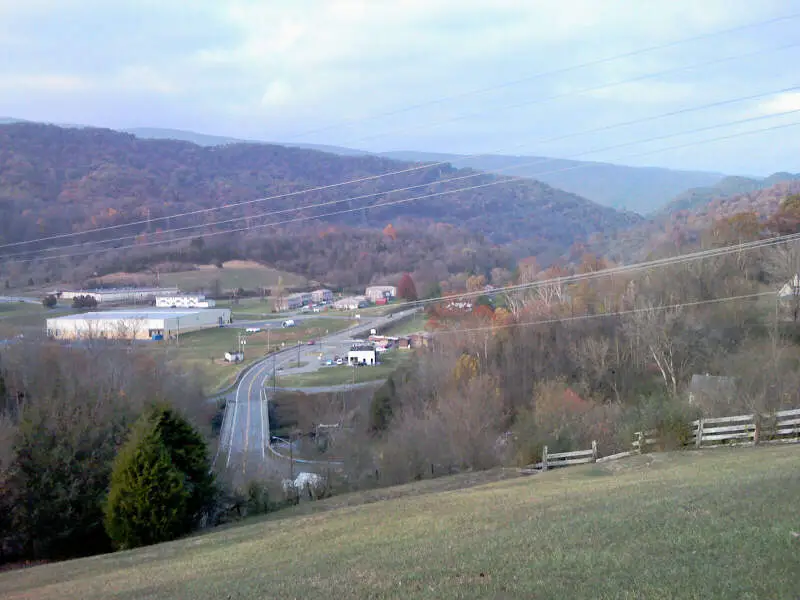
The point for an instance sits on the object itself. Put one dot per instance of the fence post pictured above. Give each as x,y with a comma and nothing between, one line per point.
544,459
757,428
594,451
640,439
698,440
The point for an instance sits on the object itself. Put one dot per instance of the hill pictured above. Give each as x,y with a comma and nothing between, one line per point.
710,524
56,180
203,139
638,189
696,198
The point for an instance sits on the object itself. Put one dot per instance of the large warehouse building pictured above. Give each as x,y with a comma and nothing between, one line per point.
136,324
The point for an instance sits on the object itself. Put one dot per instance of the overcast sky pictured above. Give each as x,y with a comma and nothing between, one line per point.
355,72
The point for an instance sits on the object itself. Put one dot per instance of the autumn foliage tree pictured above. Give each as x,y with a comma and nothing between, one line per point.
406,288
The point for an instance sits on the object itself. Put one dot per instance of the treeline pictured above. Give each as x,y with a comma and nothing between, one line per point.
597,359
103,448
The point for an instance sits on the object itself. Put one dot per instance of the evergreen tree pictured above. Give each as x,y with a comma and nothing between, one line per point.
148,502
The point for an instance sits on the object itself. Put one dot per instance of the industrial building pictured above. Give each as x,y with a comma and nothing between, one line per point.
185,301
322,295
377,292
136,324
119,295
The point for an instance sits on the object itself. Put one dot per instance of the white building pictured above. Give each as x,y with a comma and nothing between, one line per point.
350,303
362,355
322,295
376,292
135,324
120,295
185,301
790,288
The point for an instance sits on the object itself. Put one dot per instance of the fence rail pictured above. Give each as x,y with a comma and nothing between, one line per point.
778,427
563,459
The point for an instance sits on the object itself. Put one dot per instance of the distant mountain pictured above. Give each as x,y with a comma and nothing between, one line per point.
638,189
696,198
203,139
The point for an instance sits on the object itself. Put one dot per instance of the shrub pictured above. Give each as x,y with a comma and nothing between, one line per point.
148,502
49,301
669,417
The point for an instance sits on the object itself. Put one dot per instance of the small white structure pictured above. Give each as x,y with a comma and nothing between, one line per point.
322,295
252,330
120,295
134,324
790,288
350,303
185,301
234,356
313,484
376,292
362,355
288,323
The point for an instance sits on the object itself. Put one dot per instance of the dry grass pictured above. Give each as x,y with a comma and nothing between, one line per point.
716,524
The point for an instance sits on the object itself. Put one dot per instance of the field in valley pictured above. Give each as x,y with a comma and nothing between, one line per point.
712,524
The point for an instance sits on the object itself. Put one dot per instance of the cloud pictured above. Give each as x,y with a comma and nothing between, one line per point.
278,93
781,103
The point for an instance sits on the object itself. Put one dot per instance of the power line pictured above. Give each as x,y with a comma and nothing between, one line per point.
508,179
618,313
417,167
561,71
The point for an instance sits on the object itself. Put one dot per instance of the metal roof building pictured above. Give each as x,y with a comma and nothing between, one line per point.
136,324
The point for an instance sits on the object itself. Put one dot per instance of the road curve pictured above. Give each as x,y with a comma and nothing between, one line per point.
244,436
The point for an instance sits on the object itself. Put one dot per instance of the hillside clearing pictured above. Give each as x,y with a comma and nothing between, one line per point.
711,524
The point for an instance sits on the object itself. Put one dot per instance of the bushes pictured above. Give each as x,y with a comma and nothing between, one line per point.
84,302
160,484
49,301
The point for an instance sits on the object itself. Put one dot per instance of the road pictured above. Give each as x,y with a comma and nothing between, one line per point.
245,437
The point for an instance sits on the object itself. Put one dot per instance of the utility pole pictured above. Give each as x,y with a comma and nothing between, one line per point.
298,354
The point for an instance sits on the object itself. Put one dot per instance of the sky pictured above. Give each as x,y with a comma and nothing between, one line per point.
460,76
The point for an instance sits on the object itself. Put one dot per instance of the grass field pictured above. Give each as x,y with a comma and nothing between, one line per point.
235,274
342,374
711,524
204,350
411,325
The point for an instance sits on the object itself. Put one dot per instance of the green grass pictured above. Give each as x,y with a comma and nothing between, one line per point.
204,350
249,277
716,524
411,325
342,374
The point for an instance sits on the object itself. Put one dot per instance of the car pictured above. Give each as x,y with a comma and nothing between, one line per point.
339,361
279,369
311,342
329,362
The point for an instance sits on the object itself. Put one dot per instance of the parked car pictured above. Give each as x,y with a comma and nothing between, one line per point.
311,342
339,361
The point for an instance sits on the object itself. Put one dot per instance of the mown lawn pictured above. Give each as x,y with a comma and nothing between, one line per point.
713,524
342,374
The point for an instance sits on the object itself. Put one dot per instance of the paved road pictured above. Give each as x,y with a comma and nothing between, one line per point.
244,437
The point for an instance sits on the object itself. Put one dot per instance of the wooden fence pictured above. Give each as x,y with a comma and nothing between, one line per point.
779,427
742,430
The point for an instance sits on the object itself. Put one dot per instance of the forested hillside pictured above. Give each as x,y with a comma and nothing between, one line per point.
60,180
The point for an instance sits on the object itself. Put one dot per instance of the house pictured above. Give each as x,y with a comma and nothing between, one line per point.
709,390
321,295
376,292
404,343
293,302
419,340
362,354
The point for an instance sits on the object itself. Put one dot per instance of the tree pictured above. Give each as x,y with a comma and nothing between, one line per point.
406,288
434,290
148,502
49,301
160,484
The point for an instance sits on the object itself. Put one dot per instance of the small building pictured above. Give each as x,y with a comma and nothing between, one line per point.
791,288
136,324
234,356
350,303
419,340
293,302
322,295
362,354
185,301
376,292
120,295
